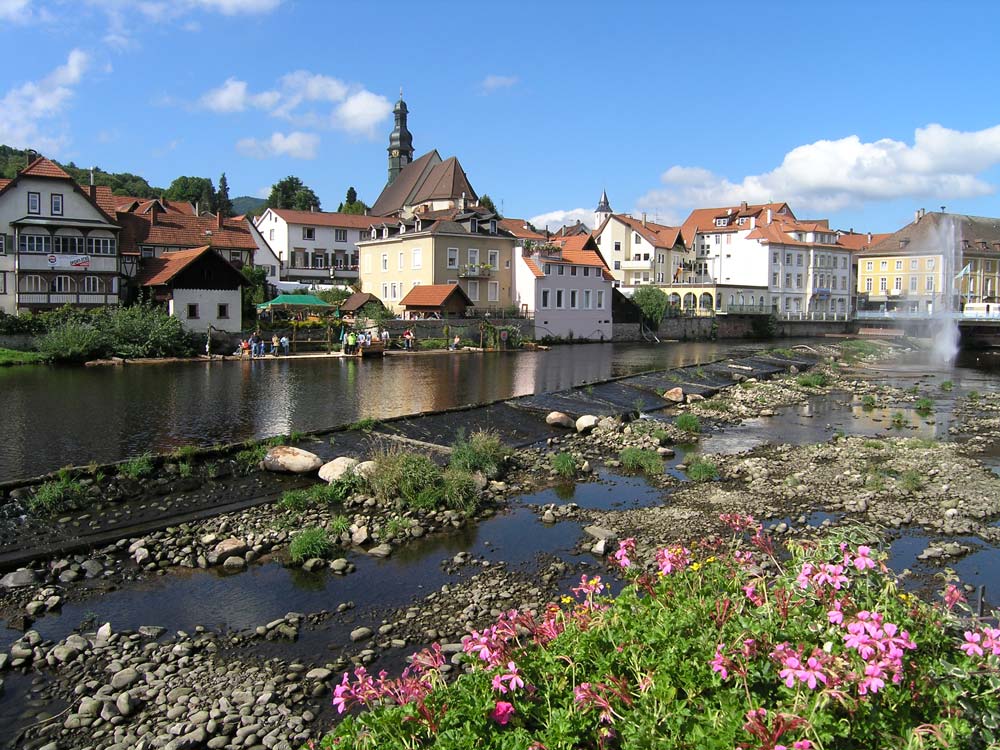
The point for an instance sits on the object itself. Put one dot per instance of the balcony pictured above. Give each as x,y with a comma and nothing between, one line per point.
58,299
344,272
43,262
638,264
476,271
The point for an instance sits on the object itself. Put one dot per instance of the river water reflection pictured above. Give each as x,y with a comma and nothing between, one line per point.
59,416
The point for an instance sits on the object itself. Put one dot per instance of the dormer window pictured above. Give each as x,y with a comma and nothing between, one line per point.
493,226
741,221
385,232
402,228
419,225
474,226
374,233
722,222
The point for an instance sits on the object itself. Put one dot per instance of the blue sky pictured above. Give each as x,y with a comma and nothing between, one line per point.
860,112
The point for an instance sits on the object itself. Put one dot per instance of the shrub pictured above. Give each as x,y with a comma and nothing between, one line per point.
924,406
653,303
911,480
460,491
339,525
483,452
710,654
74,341
947,385
185,470
310,543
250,457
410,477
396,527
641,461
688,423
899,420
138,467
295,500
56,496
812,380
868,402
342,488
564,465
702,470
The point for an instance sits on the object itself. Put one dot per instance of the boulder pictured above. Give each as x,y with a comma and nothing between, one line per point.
586,423
382,550
694,398
234,563
22,577
361,634
335,469
124,678
360,535
599,532
365,469
227,548
558,419
675,394
287,458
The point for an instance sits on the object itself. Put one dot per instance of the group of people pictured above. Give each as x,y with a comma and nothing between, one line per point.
353,340
255,346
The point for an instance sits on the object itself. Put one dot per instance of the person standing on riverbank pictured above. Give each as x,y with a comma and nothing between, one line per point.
352,343
284,344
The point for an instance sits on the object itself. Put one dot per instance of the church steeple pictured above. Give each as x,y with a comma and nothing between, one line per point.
400,141
603,210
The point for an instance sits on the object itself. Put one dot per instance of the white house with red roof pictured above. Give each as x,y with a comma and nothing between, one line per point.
315,247
563,283
638,251
59,241
761,258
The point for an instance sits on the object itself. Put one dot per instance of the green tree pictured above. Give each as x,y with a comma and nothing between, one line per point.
652,301
256,292
192,189
292,193
223,205
486,202
351,204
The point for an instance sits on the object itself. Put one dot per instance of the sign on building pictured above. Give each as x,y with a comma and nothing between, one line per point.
79,262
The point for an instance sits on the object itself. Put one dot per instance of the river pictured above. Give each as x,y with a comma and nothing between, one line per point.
58,416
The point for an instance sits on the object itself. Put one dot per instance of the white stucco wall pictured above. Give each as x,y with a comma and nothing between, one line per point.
208,301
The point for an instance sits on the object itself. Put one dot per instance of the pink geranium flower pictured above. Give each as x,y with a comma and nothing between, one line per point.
502,712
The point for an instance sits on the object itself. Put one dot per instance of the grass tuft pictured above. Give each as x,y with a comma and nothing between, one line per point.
138,467
310,543
688,423
702,470
641,461
482,451
564,465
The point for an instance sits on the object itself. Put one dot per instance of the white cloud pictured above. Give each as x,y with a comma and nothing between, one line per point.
830,175
361,112
15,10
296,145
494,82
26,108
556,219
233,96
235,7
308,99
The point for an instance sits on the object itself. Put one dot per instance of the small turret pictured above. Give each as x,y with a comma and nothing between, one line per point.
603,211
400,141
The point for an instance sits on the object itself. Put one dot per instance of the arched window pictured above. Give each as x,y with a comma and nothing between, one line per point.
62,284
33,283
92,285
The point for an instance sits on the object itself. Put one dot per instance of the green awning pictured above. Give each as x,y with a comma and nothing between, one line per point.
295,302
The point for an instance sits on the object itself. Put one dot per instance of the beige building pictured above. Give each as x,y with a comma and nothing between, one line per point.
639,251
939,262
453,246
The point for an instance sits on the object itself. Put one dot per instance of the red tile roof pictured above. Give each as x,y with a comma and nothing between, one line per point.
4,183
42,167
703,219
517,228
432,295
178,230
858,242
781,230
156,271
581,250
132,204
658,235
327,218
533,267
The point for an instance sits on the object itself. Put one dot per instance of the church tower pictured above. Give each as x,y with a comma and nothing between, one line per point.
400,141
603,211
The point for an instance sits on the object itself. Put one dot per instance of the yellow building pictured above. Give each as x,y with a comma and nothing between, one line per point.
939,262
467,247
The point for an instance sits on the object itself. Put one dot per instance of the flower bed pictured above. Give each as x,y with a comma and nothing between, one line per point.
732,645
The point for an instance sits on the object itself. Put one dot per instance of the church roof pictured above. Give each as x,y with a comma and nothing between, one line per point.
409,180
604,207
446,180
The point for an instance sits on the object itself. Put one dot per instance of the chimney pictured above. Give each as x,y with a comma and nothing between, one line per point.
644,218
768,216
869,238
743,206
92,188
312,208
197,212
461,201
220,221
154,212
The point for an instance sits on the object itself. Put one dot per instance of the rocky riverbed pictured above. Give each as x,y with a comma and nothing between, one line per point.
254,688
